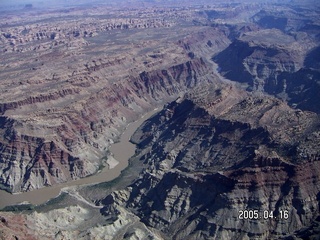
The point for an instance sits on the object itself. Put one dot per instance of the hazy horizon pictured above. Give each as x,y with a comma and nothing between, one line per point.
41,3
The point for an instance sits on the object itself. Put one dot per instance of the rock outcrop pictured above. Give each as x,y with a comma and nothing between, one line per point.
282,63
202,169
217,162
55,145
68,90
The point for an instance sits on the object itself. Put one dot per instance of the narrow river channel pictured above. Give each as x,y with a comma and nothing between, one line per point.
122,151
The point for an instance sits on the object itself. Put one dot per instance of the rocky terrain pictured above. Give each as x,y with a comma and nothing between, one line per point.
64,104
239,128
197,178
280,59
205,156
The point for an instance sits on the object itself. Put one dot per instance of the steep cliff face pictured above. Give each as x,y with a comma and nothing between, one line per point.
202,168
276,63
206,164
207,41
257,58
56,143
288,19
85,81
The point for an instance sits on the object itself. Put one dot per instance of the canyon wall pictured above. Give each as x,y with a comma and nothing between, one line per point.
202,169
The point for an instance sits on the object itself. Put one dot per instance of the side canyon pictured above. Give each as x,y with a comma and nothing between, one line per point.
238,129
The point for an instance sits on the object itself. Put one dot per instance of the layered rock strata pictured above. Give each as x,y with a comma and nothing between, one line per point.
206,157
57,143
281,61
62,105
203,166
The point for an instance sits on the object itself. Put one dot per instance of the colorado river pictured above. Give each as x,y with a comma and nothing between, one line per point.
121,151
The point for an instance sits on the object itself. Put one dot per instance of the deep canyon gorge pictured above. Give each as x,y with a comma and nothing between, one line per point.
236,87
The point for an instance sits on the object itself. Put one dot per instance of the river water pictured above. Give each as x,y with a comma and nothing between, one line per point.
121,151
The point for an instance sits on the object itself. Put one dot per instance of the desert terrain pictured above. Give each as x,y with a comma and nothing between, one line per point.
160,120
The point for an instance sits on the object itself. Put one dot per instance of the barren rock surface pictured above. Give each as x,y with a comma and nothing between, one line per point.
197,171
280,60
239,129
62,105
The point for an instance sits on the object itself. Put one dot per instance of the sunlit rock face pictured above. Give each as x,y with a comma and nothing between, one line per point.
280,59
203,166
69,88
65,102
68,134
232,154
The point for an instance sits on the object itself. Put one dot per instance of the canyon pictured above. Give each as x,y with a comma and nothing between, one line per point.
237,128
57,125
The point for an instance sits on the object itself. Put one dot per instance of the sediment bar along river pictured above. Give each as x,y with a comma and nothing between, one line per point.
122,151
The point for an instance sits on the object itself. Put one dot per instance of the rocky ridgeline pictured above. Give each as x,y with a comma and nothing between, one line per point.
279,69
258,58
52,146
205,157
46,34
62,108
19,39
201,169
280,61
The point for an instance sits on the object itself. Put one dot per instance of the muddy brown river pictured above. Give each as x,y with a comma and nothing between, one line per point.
122,151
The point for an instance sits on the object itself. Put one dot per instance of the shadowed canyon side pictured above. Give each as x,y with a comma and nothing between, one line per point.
280,59
56,145
204,165
63,105
234,152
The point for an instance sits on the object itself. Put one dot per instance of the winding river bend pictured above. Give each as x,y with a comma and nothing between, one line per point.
122,151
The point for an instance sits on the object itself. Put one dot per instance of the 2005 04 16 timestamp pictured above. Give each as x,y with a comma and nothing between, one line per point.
266,214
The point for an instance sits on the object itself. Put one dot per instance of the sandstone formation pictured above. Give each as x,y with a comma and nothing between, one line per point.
197,176
281,61
206,156
63,105
68,133
239,130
